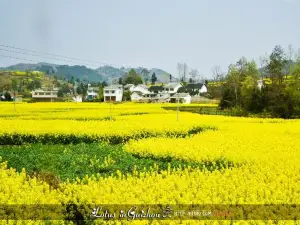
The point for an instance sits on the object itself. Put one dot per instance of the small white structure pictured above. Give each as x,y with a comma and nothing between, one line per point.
136,96
77,98
92,92
113,93
181,97
44,95
171,88
260,84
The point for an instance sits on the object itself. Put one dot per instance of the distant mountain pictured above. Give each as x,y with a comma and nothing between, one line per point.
104,73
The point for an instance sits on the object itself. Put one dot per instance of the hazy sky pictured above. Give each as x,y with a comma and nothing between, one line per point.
149,33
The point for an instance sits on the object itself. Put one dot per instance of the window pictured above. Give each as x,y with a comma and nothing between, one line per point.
112,92
106,92
171,89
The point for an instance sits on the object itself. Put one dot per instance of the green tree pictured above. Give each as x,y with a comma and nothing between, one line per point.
133,78
153,78
277,65
100,93
120,80
127,96
145,73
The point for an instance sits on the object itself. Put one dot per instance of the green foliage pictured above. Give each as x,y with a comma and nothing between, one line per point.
153,78
127,96
53,138
133,78
56,163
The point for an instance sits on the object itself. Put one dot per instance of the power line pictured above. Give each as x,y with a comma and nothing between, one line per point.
24,53
12,57
51,54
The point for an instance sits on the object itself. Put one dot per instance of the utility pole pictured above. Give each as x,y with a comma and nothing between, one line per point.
177,109
15,100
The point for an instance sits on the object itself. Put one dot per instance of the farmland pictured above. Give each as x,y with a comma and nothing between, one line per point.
92,153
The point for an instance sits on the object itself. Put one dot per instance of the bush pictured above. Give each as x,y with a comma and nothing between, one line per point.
238,111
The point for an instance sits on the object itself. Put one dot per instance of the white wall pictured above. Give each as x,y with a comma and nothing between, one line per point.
135,96
203,89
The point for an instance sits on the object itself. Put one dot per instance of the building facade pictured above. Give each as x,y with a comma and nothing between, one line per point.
113,93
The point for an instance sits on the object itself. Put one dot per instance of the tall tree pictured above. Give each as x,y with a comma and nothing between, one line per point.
277,65
153,78
194,73
145,73
180,71
218,75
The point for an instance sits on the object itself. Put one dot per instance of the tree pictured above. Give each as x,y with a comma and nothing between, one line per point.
277,65
170,77
193,75
153,78
133,78
100,93
145,73
264,61
185,71
120,80
180,71
218,75
127,96
237,74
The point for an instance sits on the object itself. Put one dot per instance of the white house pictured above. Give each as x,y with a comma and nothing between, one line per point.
141,88
92,92
128,87
200,87
44,95
171,88
181,97
136,96
162,97
113,93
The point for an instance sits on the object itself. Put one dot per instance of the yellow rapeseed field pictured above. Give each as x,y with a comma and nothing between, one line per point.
257,161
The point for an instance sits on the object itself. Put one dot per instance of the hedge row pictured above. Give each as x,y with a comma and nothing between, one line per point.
57,138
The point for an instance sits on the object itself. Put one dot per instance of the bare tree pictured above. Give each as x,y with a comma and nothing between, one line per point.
218,75
264,62
185,71
290,58
194,73
180,71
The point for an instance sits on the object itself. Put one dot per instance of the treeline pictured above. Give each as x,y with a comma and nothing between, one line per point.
274,89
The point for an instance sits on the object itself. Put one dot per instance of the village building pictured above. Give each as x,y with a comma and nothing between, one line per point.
113,93
44,95
171,88
181,97
161,98
92,92
199,88
128,87
156,89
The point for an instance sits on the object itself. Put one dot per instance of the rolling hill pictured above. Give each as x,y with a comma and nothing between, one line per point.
104,73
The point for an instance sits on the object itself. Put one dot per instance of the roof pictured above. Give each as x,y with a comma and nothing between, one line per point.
156,88
143,86
128,85
113,86
180,95
137,92
172,85
194,86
